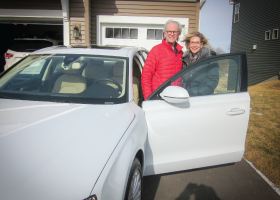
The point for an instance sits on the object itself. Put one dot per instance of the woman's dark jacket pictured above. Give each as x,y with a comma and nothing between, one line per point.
201,80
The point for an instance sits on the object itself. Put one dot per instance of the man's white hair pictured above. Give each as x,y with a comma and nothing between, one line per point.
173,22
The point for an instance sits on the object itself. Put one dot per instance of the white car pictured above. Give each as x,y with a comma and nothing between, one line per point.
74,124
23,46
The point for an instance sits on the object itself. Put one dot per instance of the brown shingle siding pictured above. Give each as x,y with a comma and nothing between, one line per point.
150,3
87,22
80,12
77,15
154,12
149,7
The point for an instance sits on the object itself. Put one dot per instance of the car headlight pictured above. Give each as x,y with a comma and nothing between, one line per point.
92,197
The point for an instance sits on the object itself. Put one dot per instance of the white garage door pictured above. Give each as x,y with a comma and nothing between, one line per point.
134,31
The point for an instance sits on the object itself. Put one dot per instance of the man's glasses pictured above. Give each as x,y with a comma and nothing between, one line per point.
172,32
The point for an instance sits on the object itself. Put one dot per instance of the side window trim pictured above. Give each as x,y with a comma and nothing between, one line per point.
244,73
142,53
140,58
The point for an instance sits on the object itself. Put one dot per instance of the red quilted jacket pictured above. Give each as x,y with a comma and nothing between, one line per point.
160,65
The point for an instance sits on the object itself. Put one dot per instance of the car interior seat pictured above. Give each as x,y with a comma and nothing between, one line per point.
137,82
136,90
95,69
118,72
70,81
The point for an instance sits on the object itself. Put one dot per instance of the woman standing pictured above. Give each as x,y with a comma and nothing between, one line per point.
202,80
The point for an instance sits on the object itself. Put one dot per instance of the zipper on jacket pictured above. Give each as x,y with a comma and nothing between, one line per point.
175,55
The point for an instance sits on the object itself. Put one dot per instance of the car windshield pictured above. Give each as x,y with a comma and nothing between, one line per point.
67,78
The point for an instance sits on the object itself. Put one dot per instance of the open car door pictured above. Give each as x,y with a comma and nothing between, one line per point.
203,120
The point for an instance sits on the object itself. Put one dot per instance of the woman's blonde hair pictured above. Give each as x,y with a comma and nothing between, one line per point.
195,34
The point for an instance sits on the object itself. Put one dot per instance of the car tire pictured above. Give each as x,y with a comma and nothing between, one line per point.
135,181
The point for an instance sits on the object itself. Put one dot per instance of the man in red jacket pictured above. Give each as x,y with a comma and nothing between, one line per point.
164,60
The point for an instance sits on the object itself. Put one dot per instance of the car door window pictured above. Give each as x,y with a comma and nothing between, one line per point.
216,75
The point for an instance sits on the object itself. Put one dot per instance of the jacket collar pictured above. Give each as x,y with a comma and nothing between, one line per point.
177,46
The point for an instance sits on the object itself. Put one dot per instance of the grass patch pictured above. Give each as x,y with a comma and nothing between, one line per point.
263,136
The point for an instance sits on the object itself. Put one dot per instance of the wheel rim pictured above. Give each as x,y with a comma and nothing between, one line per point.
135,186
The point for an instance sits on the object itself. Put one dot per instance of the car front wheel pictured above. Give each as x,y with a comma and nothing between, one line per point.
134,184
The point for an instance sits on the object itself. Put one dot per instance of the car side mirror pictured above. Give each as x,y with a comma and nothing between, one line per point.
175,94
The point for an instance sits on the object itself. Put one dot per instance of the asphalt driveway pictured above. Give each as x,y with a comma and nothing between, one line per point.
238,181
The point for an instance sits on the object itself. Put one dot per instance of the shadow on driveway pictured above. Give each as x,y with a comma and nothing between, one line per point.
226,182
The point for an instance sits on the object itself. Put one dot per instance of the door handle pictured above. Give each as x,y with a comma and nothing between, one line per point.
236,111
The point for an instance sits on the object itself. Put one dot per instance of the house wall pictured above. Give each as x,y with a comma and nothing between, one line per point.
80,13
84,12
255,18
145,8
31,4
89,22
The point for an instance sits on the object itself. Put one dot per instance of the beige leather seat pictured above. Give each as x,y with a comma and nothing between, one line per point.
95,70
118,76
136,90
71,82
118,72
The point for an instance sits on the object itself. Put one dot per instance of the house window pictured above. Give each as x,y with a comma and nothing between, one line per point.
109,32
122,33
236,12
154,34
267,35
133,33
117,33
125,33
275,33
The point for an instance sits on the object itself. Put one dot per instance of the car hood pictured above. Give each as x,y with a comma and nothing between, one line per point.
56,150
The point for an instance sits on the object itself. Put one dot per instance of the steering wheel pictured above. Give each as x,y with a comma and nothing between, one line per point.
119,89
